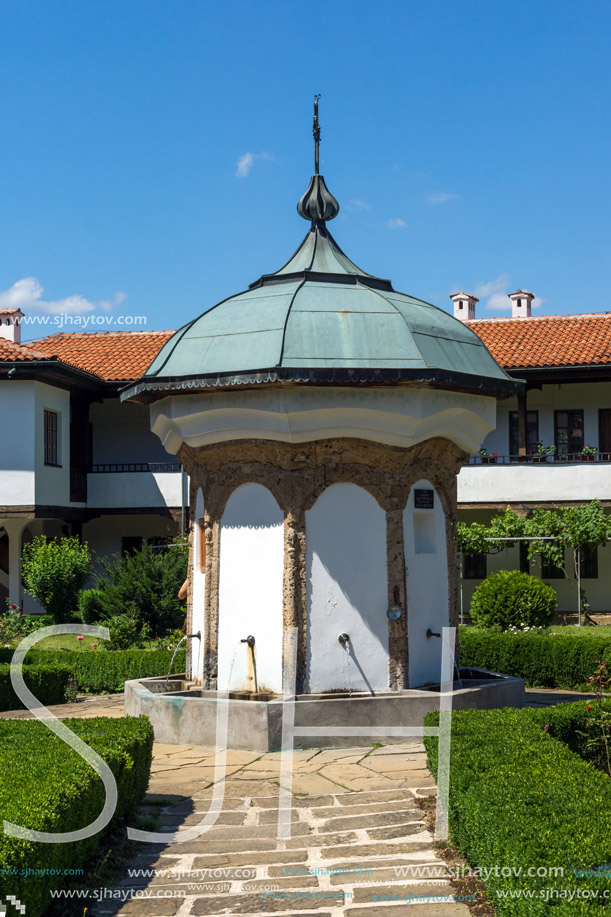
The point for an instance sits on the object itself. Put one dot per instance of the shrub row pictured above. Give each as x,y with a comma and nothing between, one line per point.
47,786
579,728
541,660
519,797
47,683
103,671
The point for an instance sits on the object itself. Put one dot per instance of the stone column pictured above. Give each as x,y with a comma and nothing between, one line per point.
14,529
397,595
212,528
294,587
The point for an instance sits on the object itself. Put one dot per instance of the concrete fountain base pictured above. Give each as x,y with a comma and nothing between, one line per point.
182,713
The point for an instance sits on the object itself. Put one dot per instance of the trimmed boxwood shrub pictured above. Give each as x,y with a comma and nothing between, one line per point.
47,786
542,660
48,683
520,797
577,728
511,598
102,671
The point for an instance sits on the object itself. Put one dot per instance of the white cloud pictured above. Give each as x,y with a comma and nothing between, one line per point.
26,294
500,285
108,304
397,223
442,197
246,162
356,206
496,293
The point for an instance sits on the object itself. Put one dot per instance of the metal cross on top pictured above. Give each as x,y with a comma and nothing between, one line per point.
316,133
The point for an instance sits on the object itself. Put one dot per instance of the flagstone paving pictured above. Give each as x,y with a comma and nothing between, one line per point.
358,844
85,706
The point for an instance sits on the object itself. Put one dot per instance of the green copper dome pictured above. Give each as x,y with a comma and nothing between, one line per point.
321,319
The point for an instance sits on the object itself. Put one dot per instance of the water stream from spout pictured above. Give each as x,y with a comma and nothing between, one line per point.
348,669
180,643
235,653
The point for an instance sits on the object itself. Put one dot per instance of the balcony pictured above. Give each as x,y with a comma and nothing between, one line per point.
500,479
135,485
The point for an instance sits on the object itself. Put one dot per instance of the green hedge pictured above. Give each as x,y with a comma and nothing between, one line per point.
519,797
102,671
574,725
541,660
46,786
47,682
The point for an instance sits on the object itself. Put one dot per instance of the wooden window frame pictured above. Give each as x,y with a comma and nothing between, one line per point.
52,428
583,431
601,412
516,415
474,565
589,563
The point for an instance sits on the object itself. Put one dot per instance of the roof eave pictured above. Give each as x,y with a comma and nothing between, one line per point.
146,390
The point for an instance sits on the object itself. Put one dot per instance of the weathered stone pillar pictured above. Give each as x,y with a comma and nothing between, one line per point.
294,587
397,595
212,530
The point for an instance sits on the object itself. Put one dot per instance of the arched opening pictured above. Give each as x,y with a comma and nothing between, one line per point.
250,592
347,592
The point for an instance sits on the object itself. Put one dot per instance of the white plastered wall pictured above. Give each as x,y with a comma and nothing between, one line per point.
346,573
426,559
250,591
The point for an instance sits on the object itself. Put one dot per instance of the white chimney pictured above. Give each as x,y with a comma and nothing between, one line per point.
521,304
464,306
10,325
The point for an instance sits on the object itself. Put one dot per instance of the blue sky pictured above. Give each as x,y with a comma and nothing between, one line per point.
468,144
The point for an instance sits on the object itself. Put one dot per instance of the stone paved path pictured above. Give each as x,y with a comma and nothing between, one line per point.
355,829
547,697
85,706
358,847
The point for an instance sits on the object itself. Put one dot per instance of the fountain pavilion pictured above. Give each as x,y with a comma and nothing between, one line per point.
323,418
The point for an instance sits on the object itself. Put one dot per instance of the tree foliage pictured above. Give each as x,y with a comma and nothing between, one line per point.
54,572
475,538
569,528
142,585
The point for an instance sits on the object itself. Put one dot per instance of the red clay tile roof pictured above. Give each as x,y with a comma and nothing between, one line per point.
122,356
114,356
18,353
555,340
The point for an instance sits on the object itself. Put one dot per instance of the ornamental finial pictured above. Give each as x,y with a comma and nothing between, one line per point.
316,134
318,204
